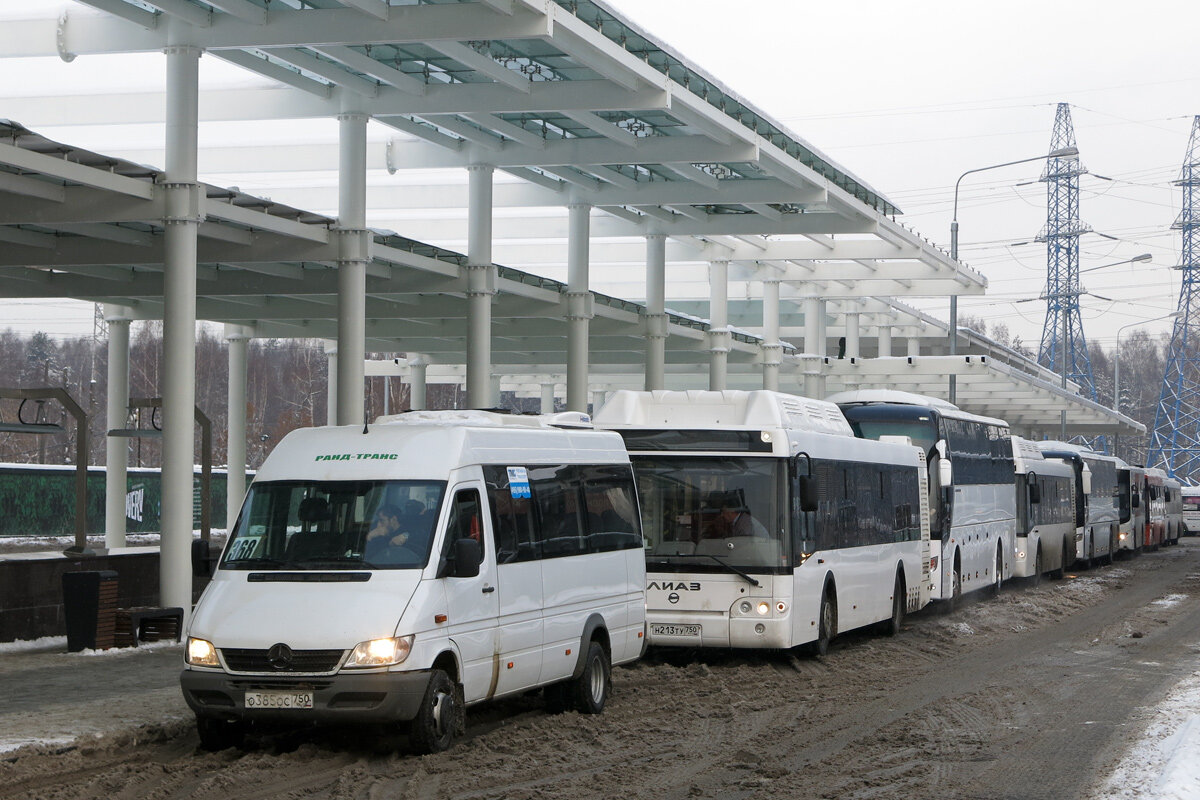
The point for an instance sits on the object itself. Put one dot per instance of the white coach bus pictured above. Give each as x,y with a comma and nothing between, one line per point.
396,574
1191,510
767,523
1045,513
1098,500
972,491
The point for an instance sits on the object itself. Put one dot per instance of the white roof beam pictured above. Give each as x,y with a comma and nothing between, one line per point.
600,125
603,57
486,140
375,8
661,214
225,233
12,235
765,210
507,129
487,65
421,130
689,211
217,209
183,10
275,72
688,172
333,73
718,133
620,212
109,233
537,178
610,175
119,8
370,66
74,173
828,242
32,187
242,9
573,177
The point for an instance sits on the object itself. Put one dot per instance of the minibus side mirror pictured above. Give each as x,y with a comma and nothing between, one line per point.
467,555
202,560
808,493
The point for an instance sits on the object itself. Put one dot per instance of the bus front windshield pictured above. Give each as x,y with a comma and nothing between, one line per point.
709,514
873,421
326,525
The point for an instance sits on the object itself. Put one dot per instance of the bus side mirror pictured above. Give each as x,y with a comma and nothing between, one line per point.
202,560
945,472
467,556
1087,480
1135,500
808,493
1035,491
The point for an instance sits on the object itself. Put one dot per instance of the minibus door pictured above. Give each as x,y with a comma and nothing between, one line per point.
471,598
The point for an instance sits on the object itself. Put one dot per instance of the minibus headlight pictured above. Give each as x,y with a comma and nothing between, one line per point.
201,653
764,609
381,652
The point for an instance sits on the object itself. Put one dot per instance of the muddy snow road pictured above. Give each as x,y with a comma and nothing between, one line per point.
1035,694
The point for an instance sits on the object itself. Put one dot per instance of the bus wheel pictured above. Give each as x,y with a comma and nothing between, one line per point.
219,734
899,604
440,716
1036,578
998,578
1061,572
826,626
592,688
955,600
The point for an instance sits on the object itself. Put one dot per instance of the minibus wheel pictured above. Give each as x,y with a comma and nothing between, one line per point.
591,689
899,604
440,716
219,734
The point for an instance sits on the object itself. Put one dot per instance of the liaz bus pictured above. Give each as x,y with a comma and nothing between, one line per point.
1097,503
1156,508
1172,493
767,523
1045,513
972,490
1131,511
1191,510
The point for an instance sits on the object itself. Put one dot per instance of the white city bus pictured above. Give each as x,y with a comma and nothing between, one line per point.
1191,510
1173,494
1131,508
767,523
1045,513
1098,500
972,483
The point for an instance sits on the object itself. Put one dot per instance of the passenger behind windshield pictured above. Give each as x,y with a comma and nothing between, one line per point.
730,517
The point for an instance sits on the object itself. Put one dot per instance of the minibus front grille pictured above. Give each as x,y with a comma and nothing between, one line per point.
301,661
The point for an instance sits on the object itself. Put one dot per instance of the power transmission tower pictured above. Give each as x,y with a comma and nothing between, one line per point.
1064,347
1175,442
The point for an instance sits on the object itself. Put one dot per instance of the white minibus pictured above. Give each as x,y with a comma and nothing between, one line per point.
972,490
1045,513
768,524
400,572
1191,510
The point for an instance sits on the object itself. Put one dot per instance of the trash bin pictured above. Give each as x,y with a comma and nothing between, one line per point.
89,609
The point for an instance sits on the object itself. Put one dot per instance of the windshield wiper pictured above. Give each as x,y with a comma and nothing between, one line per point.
716,558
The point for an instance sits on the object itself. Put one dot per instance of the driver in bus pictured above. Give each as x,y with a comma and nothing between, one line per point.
385,541
733,518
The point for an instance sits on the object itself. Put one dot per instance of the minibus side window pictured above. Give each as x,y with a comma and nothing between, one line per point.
612,516
514,532
556,493
465,521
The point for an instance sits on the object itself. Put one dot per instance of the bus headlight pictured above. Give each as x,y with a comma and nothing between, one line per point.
381,652
201,653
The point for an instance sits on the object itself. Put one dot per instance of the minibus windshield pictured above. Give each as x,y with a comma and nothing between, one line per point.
713,513
330,525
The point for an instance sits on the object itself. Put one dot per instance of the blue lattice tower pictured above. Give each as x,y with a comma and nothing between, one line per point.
1175,441
1064,348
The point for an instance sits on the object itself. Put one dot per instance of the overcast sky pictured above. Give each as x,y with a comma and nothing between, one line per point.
908,96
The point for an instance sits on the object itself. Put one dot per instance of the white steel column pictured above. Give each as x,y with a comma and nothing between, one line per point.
238,339
353,256
331,382
885,341
772,349
814,308
914,347
418,390
853,341
481,286
718,322
116,457
579,305
548,398
181,223
656,317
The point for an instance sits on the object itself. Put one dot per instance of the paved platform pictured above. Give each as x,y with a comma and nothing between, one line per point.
50,696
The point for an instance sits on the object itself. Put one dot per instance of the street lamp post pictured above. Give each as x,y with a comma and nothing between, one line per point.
1063,152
